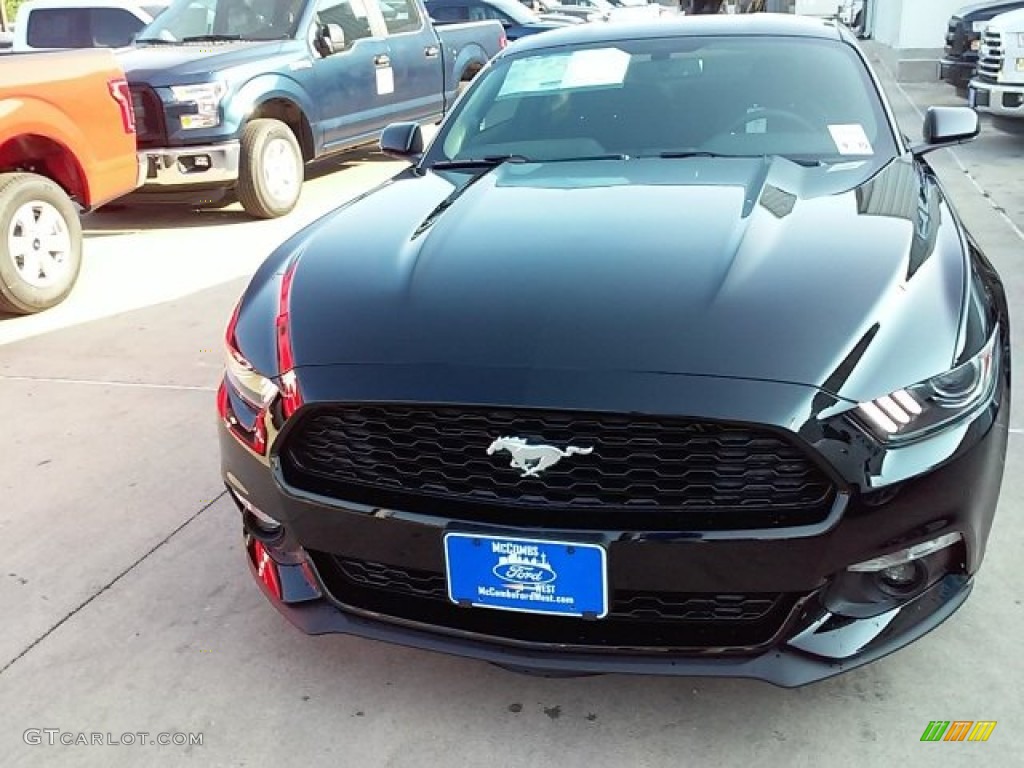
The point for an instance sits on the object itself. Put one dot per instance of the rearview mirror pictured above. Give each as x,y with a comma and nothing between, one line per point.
403,141
946,126
330,38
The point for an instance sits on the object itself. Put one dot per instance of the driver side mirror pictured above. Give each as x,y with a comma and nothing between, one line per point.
330,39
946,126
403,141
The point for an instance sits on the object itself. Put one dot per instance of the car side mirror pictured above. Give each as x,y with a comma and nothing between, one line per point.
946,126
403,141
330,38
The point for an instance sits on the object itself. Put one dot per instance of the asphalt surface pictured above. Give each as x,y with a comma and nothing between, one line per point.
126,605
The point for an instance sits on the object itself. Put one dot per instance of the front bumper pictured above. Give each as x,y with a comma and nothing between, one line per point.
825,646
955,72
817,631
209,165
994,99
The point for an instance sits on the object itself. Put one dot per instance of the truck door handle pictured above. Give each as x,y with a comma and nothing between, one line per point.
431,51
382,60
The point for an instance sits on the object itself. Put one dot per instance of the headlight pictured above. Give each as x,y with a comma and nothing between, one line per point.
255,389
207,98
979,26
950,397
1020,40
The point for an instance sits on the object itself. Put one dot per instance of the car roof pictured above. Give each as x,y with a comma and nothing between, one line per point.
753,25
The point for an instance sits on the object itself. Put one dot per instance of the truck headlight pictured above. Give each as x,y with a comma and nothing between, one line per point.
979,26
938,402
1020,40
206,97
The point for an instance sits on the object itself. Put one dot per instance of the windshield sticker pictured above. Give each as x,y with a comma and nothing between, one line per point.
851,139
600,66
580,69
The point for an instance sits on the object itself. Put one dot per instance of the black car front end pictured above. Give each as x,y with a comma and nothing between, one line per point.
737,547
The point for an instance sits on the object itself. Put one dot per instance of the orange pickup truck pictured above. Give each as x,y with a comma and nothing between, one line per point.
67,144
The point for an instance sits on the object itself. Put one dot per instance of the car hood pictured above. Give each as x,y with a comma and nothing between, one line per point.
836,276
163,65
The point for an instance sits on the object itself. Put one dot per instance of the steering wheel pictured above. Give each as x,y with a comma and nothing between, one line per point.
782,114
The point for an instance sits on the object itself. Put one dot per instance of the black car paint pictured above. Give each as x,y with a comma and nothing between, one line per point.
420,300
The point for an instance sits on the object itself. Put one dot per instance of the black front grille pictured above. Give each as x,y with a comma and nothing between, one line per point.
635,619
149,117
643,473
956,37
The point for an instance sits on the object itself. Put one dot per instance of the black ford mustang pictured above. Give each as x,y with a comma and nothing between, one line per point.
667,356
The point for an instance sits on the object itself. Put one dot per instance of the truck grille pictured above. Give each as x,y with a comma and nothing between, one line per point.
990,61
644,473
149,117
635,619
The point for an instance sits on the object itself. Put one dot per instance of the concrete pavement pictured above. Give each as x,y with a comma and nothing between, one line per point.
127,606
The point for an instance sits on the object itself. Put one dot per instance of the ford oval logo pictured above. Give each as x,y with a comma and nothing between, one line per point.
517,569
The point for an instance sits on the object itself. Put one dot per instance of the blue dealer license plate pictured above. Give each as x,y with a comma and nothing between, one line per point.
535,576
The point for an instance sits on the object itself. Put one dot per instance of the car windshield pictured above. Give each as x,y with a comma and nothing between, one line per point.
212,20
803,98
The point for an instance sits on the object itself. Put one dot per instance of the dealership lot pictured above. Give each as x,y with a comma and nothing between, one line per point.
128,607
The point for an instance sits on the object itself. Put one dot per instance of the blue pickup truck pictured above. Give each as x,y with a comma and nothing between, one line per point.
233,97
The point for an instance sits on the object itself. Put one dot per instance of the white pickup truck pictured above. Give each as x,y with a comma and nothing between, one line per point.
998,87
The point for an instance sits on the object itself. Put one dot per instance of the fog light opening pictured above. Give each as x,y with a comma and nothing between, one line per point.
902,579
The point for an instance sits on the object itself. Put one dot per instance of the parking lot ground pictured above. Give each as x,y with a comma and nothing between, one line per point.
127,606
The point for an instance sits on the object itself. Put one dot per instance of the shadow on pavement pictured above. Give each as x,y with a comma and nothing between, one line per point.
130,215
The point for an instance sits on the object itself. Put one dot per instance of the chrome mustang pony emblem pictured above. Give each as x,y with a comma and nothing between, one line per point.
533,459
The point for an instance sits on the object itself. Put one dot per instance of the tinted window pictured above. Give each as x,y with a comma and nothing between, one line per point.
450,13
59,28
748,96
400,16
81,28
113,28
350,15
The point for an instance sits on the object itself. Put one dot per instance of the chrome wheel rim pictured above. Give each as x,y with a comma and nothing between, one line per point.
281,170
39,244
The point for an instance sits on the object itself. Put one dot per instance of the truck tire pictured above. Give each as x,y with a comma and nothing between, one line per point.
270,170
40,243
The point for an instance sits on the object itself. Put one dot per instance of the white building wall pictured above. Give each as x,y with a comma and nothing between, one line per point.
918,24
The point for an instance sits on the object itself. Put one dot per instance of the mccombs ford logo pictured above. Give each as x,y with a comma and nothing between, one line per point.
526,566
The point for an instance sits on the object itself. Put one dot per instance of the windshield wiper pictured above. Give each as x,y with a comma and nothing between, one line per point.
699,153
490,161
211,38
584,158
157,41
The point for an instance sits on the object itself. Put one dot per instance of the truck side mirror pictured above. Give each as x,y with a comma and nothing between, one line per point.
330,38
945,126
403,141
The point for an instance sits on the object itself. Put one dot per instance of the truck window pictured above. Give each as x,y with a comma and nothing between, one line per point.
113,27
400,16
450,13
58,28
350,15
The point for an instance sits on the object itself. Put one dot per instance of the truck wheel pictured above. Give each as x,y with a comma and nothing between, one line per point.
270,171
40,243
